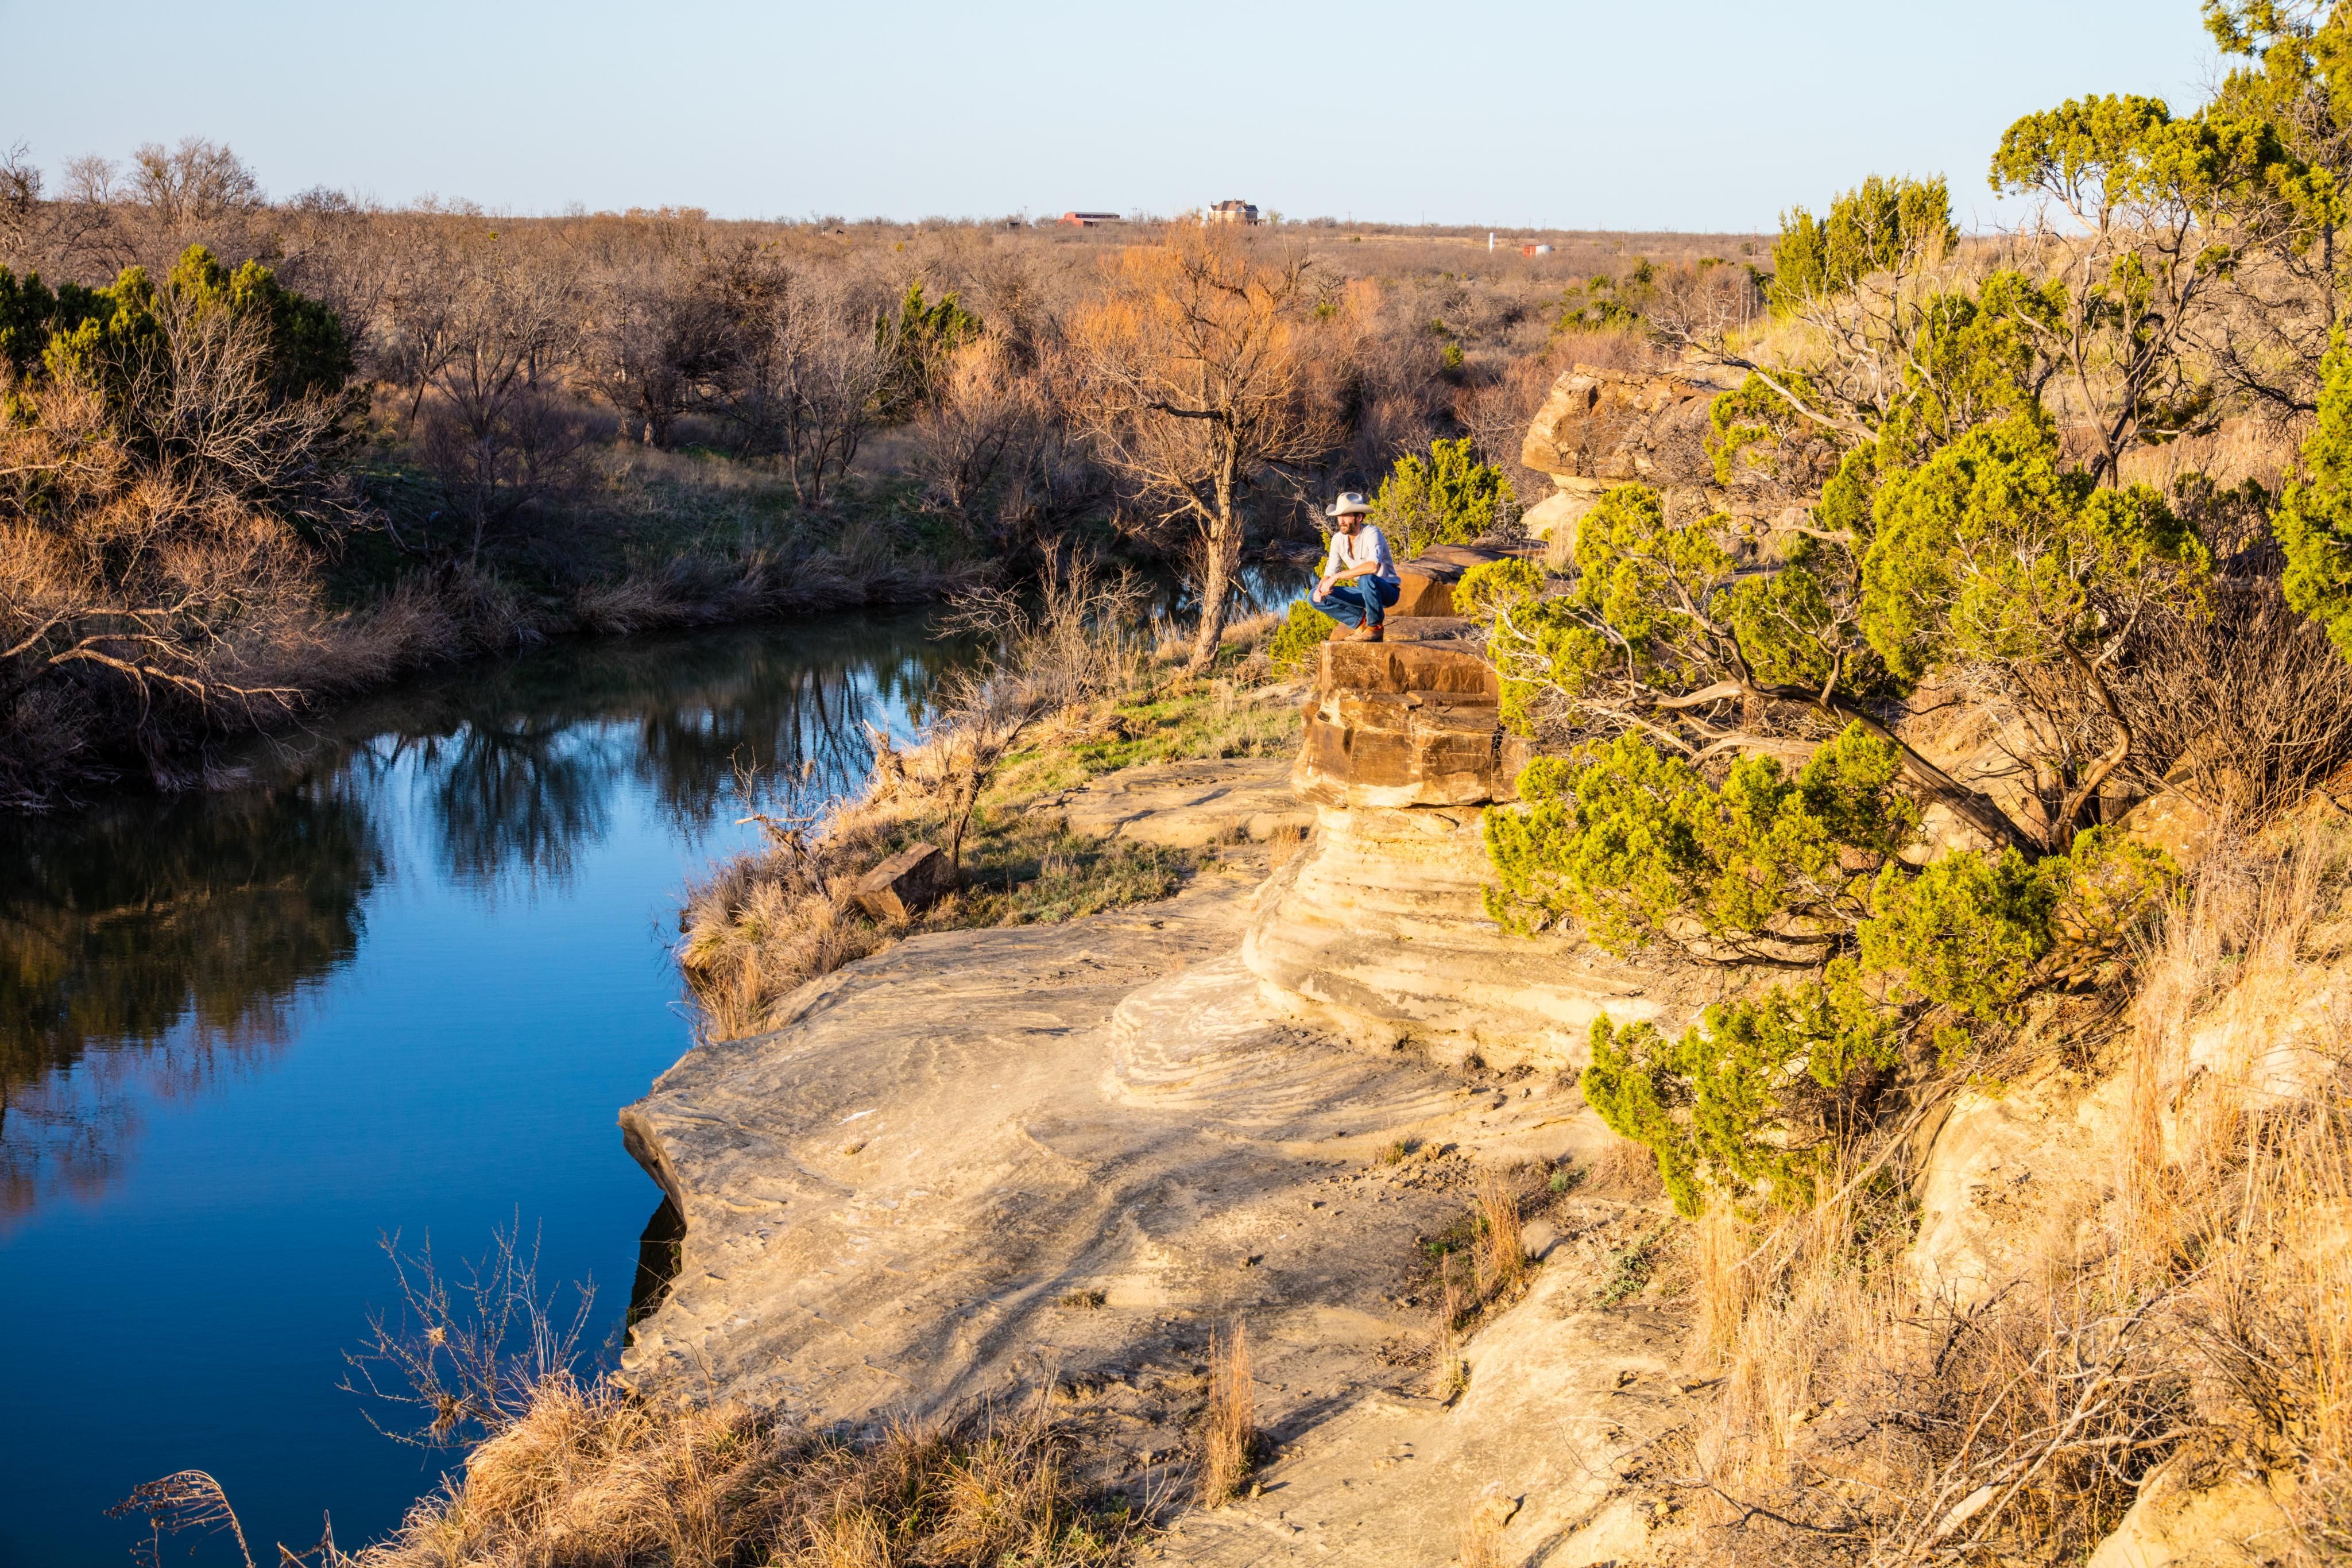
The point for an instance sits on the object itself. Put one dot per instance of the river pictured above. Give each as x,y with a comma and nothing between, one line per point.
398,983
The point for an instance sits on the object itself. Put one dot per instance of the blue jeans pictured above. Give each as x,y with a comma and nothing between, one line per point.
1359,601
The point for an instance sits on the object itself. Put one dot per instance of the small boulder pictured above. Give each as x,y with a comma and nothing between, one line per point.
906,885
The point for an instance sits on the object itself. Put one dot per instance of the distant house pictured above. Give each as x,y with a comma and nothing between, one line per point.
1230,213
1535,250
1088,220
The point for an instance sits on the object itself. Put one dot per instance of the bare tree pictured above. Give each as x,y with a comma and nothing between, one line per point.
197,183
829,358
663,330
984,423
494,440
20,202
1192,370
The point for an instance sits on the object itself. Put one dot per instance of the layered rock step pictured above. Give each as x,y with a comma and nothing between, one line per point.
1405,725
1380,929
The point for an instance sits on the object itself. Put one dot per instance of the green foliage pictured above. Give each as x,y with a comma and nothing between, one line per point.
920,338
1600,304
2314,521
1966,930
31,314
2122,149
1991,552
1630,629
1639,847
1293,642
2299,80
116,338
1974,358
1880,226
1495,584
1713,1105
1450,498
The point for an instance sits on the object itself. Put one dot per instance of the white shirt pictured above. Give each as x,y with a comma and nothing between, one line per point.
1369,545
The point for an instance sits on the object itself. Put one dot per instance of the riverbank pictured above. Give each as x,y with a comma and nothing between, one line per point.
767,921
1043,1166
662,543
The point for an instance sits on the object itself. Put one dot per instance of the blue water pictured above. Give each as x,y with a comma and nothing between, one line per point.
399,983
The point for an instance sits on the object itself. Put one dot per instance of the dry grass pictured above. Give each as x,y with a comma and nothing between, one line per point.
591,1476
595,1478
1500,1250
1229,1434
1481,1539
2193,1317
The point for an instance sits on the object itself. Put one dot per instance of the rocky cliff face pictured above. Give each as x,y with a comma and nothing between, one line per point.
1600,428
1377,929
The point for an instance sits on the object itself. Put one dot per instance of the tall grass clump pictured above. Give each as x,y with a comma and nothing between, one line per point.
1229,1434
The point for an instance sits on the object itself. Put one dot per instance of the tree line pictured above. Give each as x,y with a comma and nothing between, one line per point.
262,451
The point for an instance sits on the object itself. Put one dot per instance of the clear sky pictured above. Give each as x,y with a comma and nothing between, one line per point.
1709,114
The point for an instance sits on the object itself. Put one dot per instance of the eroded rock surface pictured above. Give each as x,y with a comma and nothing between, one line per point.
983,1159
1379,930
1600,428
1187,805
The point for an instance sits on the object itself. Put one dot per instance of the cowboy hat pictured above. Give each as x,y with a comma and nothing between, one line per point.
1351,503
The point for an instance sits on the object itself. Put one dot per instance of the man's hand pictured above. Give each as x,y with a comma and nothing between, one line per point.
1322,588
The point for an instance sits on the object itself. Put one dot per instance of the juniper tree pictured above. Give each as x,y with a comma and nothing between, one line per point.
1732,784
1446,498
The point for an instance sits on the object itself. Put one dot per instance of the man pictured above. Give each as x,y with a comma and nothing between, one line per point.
1359,577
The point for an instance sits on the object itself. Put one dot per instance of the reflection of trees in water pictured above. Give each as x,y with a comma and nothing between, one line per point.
515,792
791,708
147,948
142,949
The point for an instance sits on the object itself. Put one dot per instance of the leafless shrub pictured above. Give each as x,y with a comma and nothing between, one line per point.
196,183
2244,713
135,598
1229,1434
766,923
20,202
467,1357
184,1500
1077,638
496,462
984,426
495,441
824,361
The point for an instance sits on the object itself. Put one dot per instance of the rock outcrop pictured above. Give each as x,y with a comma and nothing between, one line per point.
1425,584
1380,929
1601,428
2233,1521
982,1163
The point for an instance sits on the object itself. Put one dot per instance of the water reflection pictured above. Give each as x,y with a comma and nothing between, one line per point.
152,946
147,948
